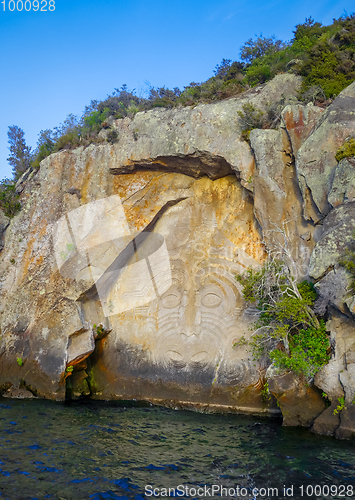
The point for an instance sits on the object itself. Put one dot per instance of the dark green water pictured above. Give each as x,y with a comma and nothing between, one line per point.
98,450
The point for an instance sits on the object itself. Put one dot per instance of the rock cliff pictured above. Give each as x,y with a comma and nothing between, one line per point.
118,274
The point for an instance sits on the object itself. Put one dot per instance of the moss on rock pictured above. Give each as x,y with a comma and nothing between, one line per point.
346,149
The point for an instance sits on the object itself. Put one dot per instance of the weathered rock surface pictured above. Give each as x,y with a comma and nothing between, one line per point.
333,237
343,185
17,393
300,121
300,404
38,309
172,336
199,141
277,199
315,161
144,238
337,380
80,346
25,177
177,339
333,290
328,421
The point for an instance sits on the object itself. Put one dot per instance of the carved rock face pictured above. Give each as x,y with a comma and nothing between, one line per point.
183,334
194,318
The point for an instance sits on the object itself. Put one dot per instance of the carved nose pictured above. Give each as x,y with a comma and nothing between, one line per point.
189,332
189,314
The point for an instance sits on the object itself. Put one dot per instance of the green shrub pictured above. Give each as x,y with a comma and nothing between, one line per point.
100,331
258,73
312,94
309,30
43,152
112,136
9,200
346,149
250,118
67,141
330,61
308,351
265,394
132,109
327,401
287,331
341,406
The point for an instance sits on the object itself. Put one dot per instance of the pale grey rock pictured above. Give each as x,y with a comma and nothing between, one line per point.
207,136
333,290
315,162
336,234
327,378
343,185
350,302
81,345
293,62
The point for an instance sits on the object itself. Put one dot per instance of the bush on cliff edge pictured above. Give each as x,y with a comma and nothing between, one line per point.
288,332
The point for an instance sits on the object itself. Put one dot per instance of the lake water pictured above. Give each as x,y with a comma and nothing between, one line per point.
99,450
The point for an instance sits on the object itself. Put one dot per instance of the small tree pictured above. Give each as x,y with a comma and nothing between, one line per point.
45,146
222,69
310,29
20,154
288,331
9,200
261,46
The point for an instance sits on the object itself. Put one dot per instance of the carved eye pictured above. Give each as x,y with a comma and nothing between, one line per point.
176,359
199,357
175,356
211,300
171,300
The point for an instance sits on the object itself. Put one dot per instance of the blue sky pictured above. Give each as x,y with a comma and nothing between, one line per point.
54,63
